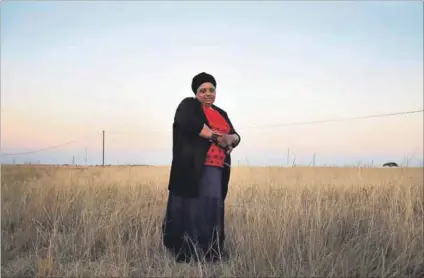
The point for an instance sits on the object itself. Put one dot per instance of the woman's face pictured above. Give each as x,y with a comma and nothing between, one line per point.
206,94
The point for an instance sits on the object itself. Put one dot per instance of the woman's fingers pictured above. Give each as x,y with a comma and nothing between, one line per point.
221,140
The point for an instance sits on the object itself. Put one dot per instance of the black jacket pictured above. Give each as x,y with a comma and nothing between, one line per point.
189,149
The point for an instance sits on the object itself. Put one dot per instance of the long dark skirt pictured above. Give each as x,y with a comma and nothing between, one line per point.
193,228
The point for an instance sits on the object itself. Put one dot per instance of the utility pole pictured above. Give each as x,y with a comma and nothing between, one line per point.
85,157
73,160
288,157
103,148
313,160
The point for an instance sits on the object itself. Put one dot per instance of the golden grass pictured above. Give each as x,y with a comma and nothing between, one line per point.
357,222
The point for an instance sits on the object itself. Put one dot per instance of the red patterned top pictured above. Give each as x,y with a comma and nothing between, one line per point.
216,155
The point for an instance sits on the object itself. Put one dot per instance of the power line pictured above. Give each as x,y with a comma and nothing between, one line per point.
49,148
340,119
257,126
295,123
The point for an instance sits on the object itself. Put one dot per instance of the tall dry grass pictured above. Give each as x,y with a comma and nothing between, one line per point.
279,222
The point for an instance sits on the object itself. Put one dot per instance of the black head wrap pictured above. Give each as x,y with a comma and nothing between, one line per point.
201,78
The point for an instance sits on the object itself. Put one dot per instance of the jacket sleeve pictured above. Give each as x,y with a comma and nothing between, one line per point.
186,118
233,131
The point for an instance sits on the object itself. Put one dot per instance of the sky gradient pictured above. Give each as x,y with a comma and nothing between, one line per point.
73,69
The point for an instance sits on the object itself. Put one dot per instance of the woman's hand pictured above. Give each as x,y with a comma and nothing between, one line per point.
206,132
227,140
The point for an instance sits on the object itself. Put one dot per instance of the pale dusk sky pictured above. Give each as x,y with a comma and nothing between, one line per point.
73,69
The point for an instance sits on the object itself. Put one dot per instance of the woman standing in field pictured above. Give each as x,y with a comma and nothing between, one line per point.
203,138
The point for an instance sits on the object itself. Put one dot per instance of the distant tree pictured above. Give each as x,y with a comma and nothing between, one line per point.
390,164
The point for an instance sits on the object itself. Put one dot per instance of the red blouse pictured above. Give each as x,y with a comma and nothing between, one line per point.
216,155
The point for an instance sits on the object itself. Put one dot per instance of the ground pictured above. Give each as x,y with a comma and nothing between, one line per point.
302,221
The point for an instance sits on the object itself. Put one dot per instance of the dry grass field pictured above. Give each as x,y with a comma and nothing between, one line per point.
333,222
